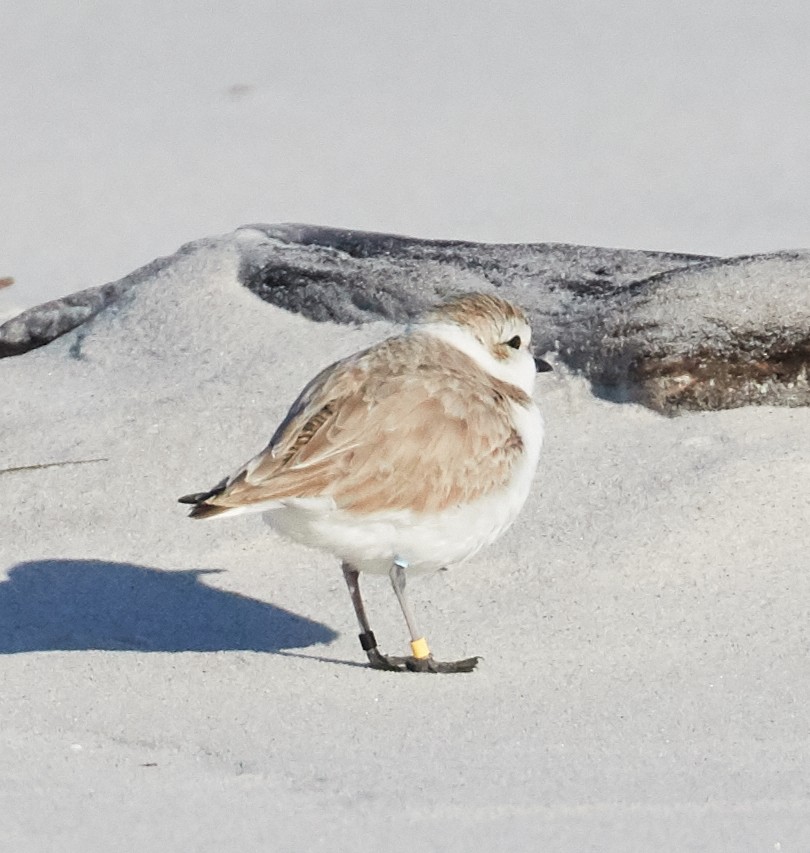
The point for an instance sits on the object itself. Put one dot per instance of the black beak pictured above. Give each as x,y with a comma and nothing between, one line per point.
542,366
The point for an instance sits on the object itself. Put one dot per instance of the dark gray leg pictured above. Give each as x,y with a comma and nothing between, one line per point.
422,660
368,641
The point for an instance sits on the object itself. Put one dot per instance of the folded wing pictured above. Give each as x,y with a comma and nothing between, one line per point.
374,438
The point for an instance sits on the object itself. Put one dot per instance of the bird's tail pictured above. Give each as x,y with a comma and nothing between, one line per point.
201,508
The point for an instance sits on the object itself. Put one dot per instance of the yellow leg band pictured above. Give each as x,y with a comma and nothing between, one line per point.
420,648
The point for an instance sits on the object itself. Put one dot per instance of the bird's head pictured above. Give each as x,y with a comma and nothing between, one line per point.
492,331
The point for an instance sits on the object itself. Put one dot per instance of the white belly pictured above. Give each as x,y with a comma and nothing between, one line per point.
427,541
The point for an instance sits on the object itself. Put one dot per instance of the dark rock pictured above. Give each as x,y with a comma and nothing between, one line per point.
670,331
43,323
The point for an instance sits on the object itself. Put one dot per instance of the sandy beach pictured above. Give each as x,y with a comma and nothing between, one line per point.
169,685
199,686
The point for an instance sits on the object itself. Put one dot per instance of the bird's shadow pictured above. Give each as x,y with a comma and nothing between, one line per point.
51,605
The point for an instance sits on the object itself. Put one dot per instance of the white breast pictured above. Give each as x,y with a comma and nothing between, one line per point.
427,541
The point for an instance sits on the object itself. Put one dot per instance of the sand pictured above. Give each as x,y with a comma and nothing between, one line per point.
127,130
177,685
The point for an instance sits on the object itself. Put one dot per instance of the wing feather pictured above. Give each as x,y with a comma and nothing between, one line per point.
410,424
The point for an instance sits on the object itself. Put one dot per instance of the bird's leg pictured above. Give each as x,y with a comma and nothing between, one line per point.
422,660
368,641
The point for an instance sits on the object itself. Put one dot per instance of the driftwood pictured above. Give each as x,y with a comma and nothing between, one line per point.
674,332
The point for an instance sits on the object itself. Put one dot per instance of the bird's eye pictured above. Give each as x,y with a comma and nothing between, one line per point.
514,342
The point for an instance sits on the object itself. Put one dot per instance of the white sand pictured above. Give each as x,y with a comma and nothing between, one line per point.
127,129
643,626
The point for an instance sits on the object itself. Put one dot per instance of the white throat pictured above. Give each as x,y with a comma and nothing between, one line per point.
519,370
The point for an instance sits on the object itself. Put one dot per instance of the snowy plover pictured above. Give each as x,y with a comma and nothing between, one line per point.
407,457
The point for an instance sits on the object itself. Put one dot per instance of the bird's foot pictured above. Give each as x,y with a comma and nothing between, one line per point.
428,664
388,663
421,661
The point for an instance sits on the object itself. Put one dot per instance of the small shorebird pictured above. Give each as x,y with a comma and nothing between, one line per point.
407,457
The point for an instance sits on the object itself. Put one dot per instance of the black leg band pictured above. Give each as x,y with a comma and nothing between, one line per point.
368,641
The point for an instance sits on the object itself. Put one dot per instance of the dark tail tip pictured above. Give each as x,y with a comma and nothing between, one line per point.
204,510
194,499
201,509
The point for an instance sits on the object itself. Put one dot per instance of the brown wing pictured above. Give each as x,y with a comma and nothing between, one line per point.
405,425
